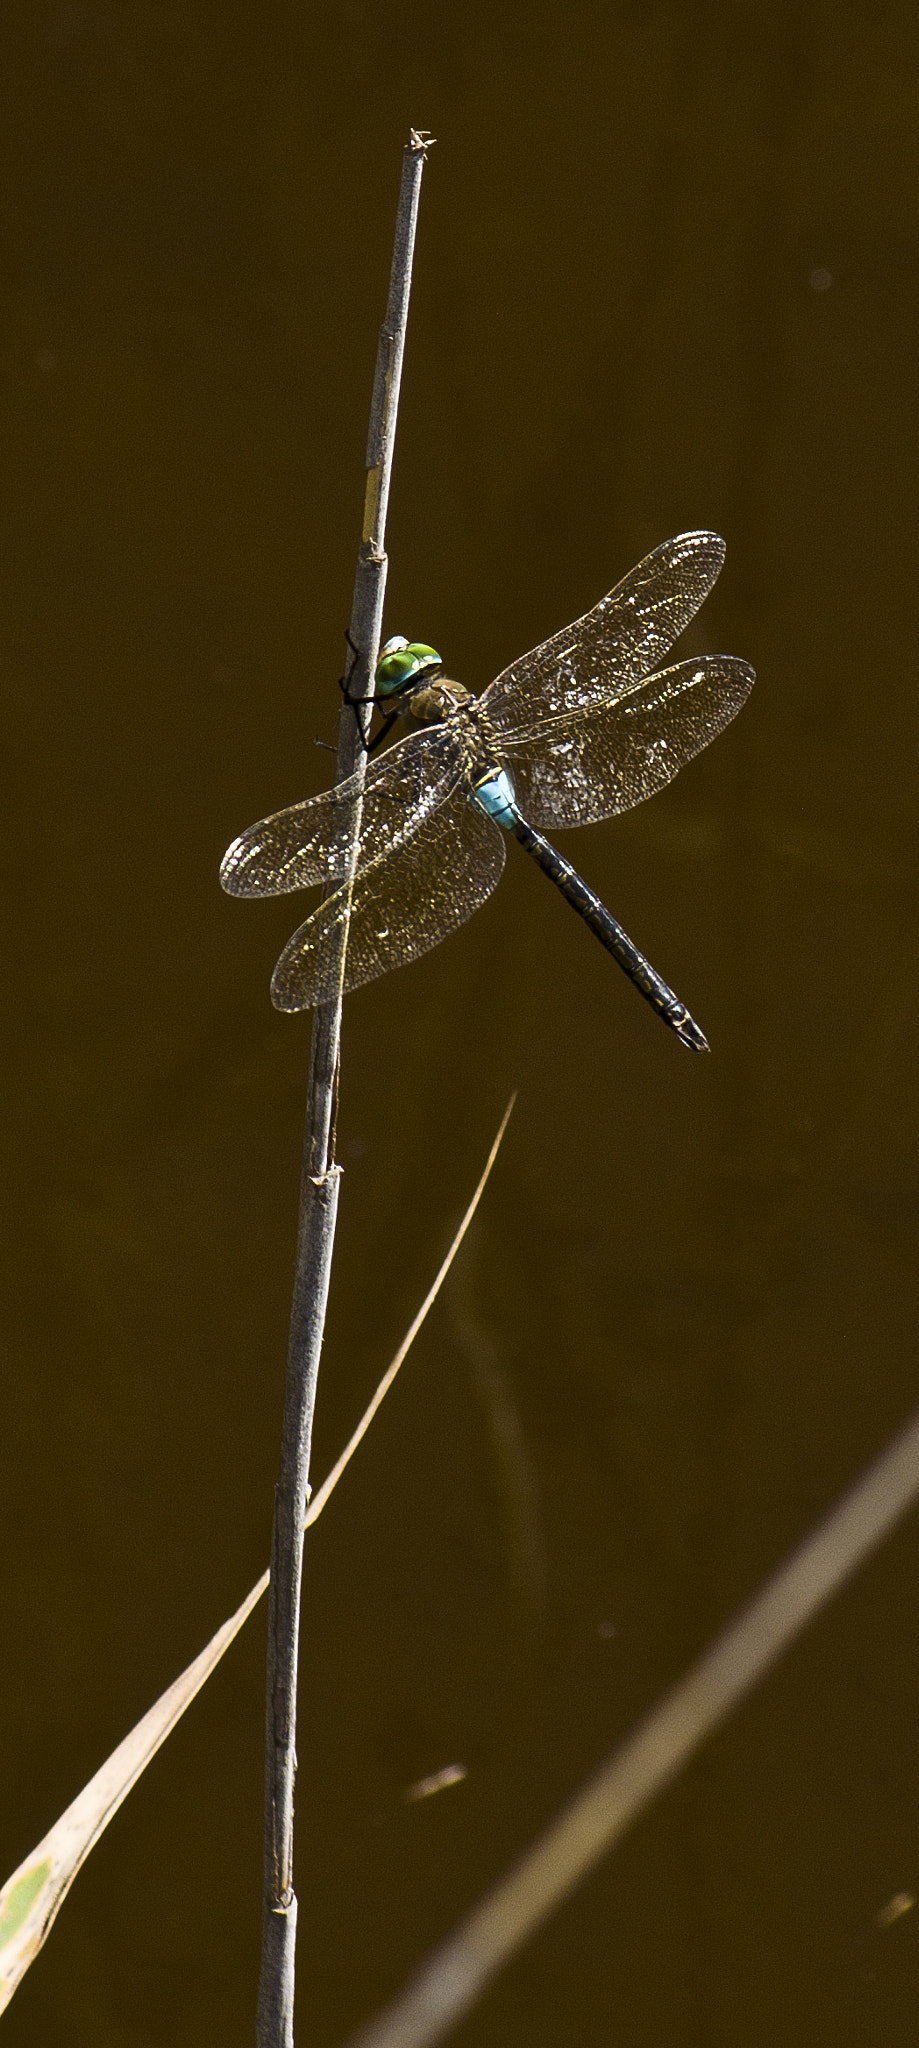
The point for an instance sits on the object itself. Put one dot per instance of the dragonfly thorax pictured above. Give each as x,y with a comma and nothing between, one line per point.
434,702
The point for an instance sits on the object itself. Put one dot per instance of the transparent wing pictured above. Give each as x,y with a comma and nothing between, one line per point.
577,770
309,842
401,905
603,655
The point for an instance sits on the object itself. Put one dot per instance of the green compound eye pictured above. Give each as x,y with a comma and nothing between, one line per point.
401,661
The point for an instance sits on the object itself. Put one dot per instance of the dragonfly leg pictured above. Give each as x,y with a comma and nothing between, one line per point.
344,684
371,746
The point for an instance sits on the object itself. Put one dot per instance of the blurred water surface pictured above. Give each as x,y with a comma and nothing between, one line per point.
666,278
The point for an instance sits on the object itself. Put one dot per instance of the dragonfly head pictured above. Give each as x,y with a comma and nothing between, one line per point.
405,661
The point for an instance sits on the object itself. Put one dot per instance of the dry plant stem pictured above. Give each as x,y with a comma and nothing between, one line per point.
33,1894
319,1197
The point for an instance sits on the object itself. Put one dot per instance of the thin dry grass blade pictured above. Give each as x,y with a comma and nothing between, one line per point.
328,1485
31,1898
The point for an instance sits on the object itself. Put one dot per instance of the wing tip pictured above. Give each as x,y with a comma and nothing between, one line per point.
286,999
699,545
232,876
706,541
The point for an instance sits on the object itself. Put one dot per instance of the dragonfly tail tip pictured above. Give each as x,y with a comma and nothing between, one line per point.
690,1034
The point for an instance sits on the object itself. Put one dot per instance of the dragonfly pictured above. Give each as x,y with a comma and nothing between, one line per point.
583,727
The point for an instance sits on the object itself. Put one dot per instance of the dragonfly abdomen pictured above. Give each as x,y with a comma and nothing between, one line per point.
493,791
610,933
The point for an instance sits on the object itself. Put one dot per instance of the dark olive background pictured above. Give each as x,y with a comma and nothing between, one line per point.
666,277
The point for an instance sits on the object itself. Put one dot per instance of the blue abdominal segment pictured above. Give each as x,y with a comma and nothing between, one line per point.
495,795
